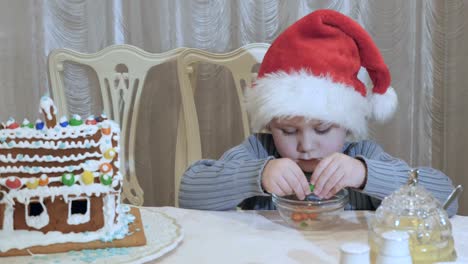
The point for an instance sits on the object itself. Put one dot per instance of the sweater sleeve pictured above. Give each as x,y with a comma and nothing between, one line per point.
223,184
386,174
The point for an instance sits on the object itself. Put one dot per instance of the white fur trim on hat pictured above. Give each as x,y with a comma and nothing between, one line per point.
301,93
384,105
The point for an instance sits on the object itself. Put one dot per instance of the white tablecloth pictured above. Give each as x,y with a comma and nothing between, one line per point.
262,237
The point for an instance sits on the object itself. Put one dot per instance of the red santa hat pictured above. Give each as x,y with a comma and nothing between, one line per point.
311,70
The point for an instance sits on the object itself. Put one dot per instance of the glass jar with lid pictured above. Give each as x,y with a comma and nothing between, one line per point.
414,210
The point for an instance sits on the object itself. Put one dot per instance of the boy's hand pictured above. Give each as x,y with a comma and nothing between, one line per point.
284,177
336,172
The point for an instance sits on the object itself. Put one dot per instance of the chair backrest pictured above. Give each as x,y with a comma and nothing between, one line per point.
241,63
120,91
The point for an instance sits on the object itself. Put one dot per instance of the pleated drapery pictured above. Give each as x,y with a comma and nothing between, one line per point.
422,41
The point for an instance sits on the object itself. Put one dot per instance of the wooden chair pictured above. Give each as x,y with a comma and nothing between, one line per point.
120,91
241,63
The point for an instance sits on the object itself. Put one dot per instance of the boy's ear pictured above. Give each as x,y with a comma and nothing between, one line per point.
266,129
351,137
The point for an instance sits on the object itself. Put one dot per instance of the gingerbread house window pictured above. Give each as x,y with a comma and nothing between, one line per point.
78,211
36,214
35,209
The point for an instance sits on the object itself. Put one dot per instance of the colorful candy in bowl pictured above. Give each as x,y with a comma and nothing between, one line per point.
305,214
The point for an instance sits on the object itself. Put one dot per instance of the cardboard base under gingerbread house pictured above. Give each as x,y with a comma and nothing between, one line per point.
137,238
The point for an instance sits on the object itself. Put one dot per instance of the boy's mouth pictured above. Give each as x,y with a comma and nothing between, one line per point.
309,164
313,160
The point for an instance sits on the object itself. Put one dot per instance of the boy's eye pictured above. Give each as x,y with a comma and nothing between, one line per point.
288,131
323,130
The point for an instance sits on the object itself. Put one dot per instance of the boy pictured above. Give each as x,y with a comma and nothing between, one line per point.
309,97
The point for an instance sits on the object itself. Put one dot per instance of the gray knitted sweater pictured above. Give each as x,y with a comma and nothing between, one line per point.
235,179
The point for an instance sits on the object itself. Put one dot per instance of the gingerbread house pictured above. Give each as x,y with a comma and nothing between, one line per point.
60,181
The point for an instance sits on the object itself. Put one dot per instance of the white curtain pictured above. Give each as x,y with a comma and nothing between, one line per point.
422,42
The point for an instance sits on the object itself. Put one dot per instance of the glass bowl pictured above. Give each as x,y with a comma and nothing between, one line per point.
304,214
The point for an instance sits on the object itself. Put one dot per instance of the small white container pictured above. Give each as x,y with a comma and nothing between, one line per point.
354,253
395,248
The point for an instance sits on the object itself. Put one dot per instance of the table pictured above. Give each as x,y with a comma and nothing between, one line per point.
184,236
262,237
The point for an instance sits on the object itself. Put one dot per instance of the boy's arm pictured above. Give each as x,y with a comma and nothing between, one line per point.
223,184
386,174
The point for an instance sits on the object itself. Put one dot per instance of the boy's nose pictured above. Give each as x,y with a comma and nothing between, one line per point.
305,144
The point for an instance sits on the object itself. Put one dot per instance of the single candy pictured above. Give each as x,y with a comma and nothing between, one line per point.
11,123
99,119
313,198
26,123
63,121
13,182
87,177
32,183
13,126
43,180
105,179
68,179
109,154
296,217
90,121
39,124
312,216
105,129
76,121
312,187
105,167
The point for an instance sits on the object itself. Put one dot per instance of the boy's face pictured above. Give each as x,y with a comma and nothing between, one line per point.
306,141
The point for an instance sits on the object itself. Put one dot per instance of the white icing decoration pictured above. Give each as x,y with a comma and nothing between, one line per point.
76,117
111,153
25,121
39,221
10,121
58,138
91,165
45,105
10,178
8,217
117,180
63,119
37,169
51,144
48,158
50,134
76,219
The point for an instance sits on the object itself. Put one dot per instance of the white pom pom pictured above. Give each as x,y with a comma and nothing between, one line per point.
384,105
